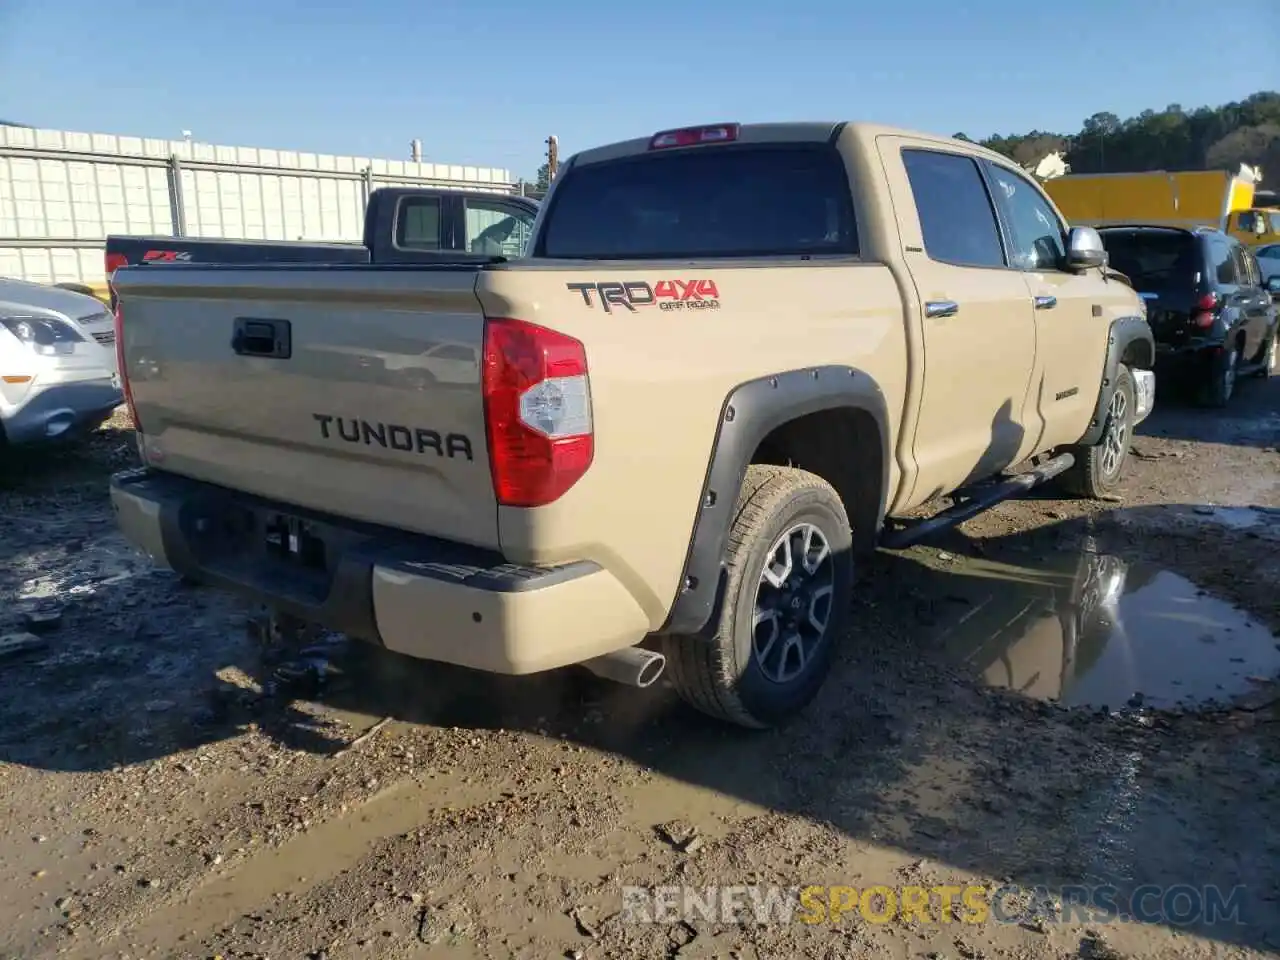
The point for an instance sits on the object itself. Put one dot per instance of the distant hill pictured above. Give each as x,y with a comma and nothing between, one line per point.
1172,139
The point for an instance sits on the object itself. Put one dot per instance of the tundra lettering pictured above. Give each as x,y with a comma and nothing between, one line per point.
395,436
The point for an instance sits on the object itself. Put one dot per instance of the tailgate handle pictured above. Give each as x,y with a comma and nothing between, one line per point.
254,337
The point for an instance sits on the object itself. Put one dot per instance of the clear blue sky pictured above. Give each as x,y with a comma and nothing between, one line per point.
484,82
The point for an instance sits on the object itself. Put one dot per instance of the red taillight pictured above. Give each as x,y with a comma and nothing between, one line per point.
120,366
689,136
114,261
537,408
1203,314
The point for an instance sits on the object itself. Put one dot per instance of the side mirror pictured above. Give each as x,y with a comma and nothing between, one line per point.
1273,285
1085,249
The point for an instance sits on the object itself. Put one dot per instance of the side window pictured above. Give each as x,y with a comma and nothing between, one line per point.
956,215
1222,266
496,228
1247,221
418,225
1038,236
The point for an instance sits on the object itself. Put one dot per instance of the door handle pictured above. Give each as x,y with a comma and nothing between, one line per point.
1046,302
941,308
254,337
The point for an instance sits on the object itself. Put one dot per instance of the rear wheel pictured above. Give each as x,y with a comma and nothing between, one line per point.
1097,470
1220,386
1270,355
790,571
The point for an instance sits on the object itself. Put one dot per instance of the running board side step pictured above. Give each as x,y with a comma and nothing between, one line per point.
975,501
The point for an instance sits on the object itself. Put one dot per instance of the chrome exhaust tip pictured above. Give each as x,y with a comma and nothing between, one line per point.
630,666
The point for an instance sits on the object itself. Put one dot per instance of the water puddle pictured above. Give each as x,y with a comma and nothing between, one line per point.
78,568
1098,631
1254,519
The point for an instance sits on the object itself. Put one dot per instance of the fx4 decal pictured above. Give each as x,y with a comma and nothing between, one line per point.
665,294
167,256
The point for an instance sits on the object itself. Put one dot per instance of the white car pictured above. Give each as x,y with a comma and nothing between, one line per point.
1269,260
57,363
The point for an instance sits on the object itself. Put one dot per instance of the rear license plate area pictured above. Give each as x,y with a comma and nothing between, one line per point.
294,541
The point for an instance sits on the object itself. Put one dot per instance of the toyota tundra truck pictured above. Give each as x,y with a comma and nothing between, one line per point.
733,361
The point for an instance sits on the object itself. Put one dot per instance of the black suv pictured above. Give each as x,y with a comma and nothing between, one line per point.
1211,314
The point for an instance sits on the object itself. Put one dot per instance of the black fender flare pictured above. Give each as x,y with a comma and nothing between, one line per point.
1124,333
750,412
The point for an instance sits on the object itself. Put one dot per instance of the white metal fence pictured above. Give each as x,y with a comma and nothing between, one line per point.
62,193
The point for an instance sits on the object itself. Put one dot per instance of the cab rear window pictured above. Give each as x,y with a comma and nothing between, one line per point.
705,202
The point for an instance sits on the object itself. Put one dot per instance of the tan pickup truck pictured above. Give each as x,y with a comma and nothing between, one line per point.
733,355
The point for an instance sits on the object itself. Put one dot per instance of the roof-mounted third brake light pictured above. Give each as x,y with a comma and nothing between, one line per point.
690,136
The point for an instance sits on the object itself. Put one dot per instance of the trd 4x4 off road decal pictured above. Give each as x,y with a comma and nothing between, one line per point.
665,294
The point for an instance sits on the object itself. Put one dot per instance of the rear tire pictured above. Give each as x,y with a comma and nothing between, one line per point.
779,621
1270,355
1097,471
1218,390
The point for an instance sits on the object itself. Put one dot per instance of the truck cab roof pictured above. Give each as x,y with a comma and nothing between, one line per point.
811,131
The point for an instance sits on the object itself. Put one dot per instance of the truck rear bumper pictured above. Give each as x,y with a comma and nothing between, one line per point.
423,597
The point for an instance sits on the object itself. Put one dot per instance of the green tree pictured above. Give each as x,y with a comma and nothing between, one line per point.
1258,146
1245,131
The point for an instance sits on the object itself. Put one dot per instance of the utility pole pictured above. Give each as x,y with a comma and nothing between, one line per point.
553,157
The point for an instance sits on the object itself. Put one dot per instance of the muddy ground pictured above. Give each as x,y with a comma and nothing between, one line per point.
175,785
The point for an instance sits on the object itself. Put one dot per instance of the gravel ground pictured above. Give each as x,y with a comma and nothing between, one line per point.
177,782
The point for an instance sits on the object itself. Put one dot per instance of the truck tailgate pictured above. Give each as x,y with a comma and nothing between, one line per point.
354,391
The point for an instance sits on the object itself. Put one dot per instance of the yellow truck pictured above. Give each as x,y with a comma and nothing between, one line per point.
1258,226
1191,198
